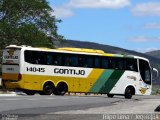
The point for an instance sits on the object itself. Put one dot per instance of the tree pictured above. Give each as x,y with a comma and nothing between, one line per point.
28,22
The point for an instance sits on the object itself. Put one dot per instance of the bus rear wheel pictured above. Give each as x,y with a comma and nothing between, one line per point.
61,88
110,95
29,92
47,89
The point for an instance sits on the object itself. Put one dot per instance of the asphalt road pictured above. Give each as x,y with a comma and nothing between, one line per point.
47,107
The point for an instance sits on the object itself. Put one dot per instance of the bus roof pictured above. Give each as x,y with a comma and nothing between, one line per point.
77,51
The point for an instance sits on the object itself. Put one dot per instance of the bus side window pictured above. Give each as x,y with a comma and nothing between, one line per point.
120,64
97,62
71,60
105,63
40,57
49,59
85,61
35,57
55,62
74,60
113,63
28,56
89,61
57,59
67,61
81,61
131,64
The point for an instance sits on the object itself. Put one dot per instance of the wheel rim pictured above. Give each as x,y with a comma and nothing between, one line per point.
48,89
62,89
128,94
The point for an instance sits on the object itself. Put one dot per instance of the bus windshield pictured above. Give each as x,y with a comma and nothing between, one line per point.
145,71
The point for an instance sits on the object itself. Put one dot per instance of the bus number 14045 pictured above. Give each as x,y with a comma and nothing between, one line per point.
34,69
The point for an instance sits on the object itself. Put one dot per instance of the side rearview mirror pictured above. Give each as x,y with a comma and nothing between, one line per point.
154,69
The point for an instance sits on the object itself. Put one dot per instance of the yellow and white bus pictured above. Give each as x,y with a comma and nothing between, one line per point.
76,70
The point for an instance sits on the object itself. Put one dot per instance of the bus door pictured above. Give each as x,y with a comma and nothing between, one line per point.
145,81
11,64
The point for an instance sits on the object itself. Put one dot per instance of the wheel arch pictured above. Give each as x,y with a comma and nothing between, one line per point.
132,88
61,82
48,81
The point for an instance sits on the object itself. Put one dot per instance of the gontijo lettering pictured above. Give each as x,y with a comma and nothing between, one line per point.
69,71
11,57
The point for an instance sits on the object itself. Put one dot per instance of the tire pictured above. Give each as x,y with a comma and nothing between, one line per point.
128,93
41,93
110,95
47,89
61,89
29,92
55,91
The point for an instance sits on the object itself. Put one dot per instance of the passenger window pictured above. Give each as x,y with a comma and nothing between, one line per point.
120,64
97,62
89,61
85,61
112,63
40,57
71,60
67,61
131,64
105,63
82,61
49,59
53,59
34,57
74,60
57,59
28,56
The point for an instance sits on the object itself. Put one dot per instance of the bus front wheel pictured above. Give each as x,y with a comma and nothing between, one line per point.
128,93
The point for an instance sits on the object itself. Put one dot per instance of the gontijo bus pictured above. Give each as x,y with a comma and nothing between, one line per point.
77,70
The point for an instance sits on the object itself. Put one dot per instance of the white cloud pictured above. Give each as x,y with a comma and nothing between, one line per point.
152,26
147,9
62,12
144,50
66,10
144,39
98,3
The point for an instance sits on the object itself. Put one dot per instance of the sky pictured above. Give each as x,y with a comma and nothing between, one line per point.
129,24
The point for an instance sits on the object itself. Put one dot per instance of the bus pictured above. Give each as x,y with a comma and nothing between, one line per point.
74,70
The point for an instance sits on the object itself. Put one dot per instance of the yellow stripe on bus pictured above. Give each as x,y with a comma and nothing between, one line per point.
10,76
75,84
